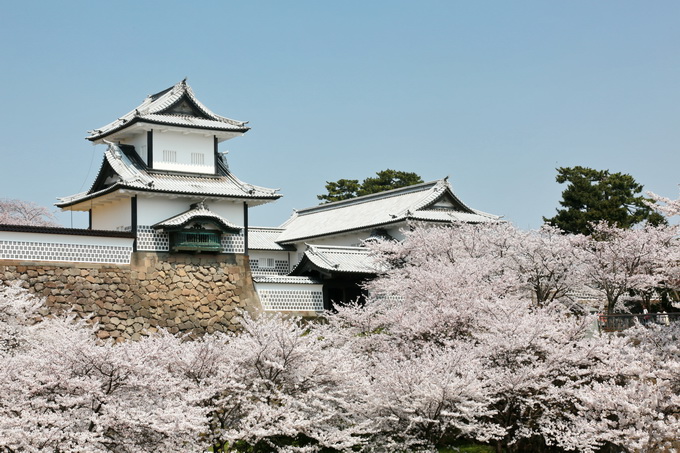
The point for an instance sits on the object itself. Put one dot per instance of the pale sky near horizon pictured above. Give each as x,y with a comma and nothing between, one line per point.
493,94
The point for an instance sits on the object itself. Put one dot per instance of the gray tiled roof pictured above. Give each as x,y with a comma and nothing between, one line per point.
379,210
449,216
121,171
197,211
341,259
263,238
302,280
154,110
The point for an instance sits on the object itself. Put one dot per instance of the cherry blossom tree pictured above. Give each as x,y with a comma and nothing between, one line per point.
547,262
536,359
450,345
19,212
635,403
277,386
18,309
450,274
428,398
618,261
664,205
537,366
68,393
63,390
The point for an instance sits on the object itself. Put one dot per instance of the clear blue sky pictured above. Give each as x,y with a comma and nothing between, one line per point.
494,94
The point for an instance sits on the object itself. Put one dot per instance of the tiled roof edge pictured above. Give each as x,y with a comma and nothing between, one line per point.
367,198
348,230
156,103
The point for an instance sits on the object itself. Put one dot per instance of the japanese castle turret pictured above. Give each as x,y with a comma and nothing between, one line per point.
164,179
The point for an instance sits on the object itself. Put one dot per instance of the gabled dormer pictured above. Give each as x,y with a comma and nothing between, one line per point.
172,131
197,230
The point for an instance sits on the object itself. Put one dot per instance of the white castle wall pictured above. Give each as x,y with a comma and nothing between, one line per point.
271,262
139,142
20,246
292,296
114,216
182,146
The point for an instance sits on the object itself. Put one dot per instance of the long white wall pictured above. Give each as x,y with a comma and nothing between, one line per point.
20,246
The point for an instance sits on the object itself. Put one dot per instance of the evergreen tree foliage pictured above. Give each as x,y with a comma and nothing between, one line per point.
594,196
341,189
344,189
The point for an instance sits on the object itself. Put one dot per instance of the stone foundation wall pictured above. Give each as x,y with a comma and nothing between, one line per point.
178,292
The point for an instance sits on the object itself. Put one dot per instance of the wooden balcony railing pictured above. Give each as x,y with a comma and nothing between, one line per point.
195,241
618,322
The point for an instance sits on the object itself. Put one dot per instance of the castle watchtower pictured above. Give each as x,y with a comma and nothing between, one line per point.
163,179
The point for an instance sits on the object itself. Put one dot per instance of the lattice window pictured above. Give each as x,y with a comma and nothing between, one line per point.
197,159
169,155
49,251
291,300
279,267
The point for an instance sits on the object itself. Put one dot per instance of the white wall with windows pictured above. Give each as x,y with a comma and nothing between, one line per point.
271,262
177,151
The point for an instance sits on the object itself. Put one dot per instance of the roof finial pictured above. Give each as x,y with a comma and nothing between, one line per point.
184,80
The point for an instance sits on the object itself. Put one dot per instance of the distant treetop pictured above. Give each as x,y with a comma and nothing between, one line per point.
344,189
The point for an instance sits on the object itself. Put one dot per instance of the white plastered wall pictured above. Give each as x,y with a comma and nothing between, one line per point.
112,216
230,210
151,210
139,142
154,209
182,146
274,262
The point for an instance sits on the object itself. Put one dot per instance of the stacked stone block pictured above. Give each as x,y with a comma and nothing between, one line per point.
196,294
